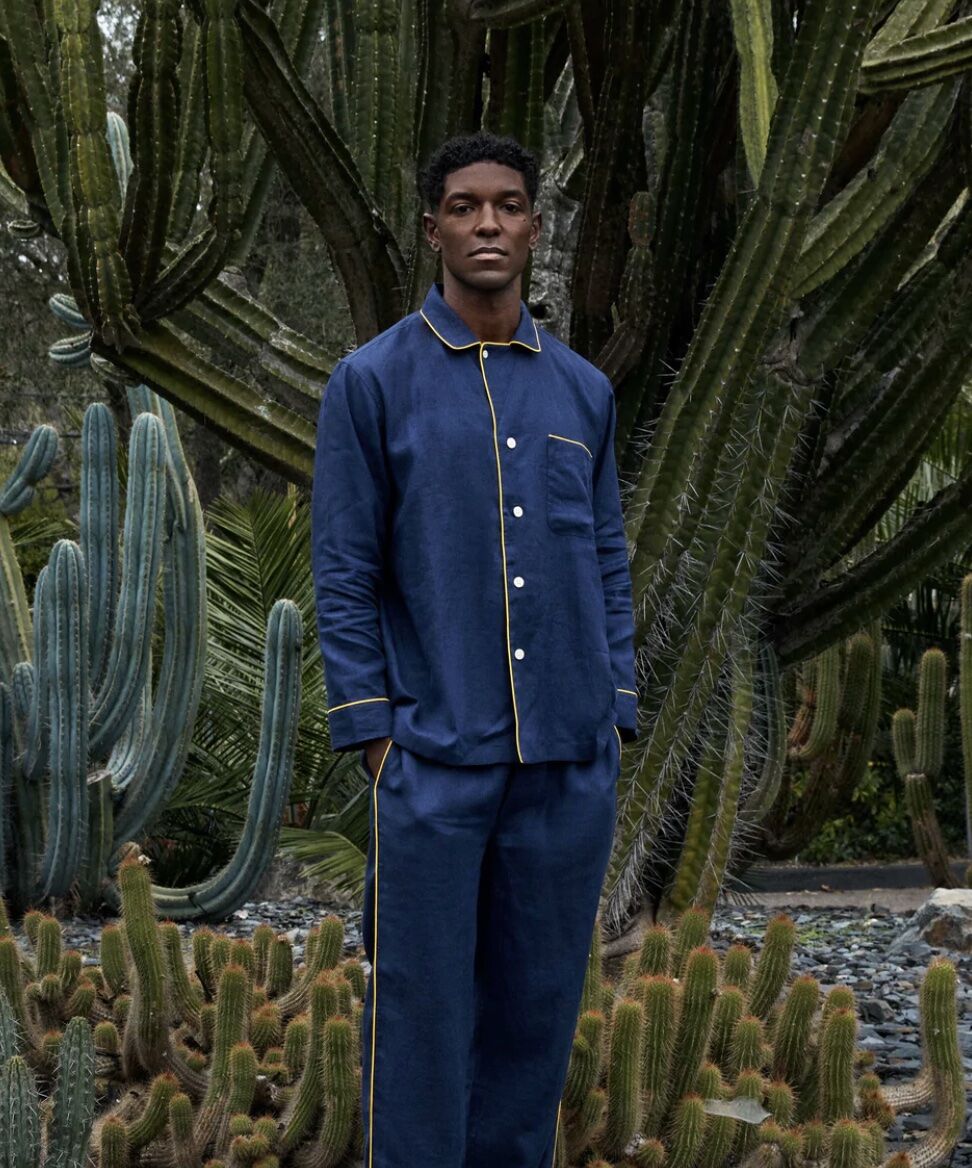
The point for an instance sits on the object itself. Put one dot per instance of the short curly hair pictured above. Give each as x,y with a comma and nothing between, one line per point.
465,149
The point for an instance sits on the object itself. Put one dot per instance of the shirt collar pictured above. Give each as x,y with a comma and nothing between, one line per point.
453,331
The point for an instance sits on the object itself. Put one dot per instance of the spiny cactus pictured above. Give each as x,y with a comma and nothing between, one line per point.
798,263
918,743
175,1076
718,1086
91,747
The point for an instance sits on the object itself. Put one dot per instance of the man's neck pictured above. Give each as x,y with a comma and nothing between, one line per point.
491,315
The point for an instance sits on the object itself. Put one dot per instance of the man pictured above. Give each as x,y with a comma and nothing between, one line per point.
475,617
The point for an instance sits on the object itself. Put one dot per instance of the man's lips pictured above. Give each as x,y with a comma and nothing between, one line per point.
495,254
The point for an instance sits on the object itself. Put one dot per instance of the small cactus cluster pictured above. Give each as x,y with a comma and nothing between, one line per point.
689,1061
239,1062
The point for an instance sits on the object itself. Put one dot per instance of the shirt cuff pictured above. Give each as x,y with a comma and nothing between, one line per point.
626,713
358,721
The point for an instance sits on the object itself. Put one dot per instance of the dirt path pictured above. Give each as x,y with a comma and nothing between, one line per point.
896,900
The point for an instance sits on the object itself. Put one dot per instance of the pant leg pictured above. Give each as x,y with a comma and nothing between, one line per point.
543,872
429,827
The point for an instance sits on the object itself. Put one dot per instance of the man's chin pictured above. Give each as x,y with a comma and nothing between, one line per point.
487,281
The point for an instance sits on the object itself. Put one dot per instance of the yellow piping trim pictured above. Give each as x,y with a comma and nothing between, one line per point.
356,702
620,747
374,969
574,440
506,590
630,691
556,1133
497,344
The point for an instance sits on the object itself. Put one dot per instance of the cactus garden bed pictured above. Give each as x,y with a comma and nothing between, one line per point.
844,954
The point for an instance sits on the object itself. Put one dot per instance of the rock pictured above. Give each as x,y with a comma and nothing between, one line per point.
944,921
876,1010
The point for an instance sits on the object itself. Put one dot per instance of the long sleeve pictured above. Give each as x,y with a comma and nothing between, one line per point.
612,557
349,506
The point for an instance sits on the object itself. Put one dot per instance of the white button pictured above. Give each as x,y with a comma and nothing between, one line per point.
518,581
485,352
511,442
518,510
519,654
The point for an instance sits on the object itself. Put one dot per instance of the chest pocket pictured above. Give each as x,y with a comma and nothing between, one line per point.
569,486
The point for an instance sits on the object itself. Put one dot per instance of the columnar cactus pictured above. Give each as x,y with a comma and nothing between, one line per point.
919,751
84,728
759,1076
779,293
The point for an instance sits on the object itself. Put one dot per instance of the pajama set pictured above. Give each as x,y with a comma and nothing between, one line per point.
474,606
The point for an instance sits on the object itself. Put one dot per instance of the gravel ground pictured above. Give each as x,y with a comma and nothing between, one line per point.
836,943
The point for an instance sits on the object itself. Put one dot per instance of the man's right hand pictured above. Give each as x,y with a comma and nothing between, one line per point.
374,752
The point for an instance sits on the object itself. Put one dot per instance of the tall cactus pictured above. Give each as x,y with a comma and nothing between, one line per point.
83,724
777,284
918,751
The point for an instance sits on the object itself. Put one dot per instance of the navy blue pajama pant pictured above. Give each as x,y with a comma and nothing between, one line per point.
481,890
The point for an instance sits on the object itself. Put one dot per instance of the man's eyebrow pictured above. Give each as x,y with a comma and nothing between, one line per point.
469,195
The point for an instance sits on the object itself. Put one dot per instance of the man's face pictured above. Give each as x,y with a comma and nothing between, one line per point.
484,206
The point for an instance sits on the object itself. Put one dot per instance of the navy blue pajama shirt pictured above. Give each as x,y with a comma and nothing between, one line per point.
472,584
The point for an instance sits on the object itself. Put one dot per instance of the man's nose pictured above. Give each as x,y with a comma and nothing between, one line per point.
487,220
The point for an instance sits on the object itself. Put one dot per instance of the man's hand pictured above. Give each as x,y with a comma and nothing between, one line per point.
374,752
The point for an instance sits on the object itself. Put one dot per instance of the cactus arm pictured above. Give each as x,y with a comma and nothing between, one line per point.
921,60
39,453
764,793
908,18
833,778
23,28
932,535
698,829
15,626
153,104
510,13
907,151
827,692
16,494
839,316
323,173
67,820
192,143
126,673
723,828
157,758
218,896
37,731
92,215
299,23
752,27
745,304
613,170
197,263
376,94
99,532
278,437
